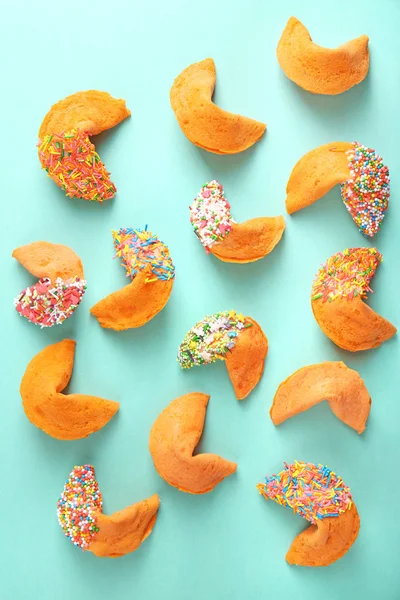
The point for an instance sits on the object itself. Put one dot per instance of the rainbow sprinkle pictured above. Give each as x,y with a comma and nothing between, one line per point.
311,491
79,505
366,193
210,214
210,339
48,304
138,248
71,160
346,274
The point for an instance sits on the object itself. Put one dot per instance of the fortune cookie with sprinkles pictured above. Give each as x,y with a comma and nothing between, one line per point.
321,70
173,439
61,284
62,416
203,122
230,241
362,175
342,387
337,300
148,263
317,494
80,515
65,149
233,338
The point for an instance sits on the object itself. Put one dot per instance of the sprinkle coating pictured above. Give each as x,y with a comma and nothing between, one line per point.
210,214
71,160
366,194
210,339
138,248
48,304
79,505
346,274
311,491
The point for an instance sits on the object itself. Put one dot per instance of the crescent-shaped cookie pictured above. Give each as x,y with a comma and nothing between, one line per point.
233,338
321,70
337,300
342,387
229,241
61,284
173,439
317,494
363,177
80,516
65,149
148,263
203,122
62,416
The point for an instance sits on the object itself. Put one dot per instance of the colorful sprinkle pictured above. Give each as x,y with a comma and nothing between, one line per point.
366,193
48,304
210,214
79,505
210,339
71,160
346,274
311,491
138,248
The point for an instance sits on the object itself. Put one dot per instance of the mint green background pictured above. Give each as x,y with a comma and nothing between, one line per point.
229,544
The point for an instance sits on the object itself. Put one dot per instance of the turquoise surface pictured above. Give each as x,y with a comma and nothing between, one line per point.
229,544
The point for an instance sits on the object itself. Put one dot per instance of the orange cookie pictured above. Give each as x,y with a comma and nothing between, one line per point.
364,182
320,496
61,284
204,123
173,438
337,301
65,149
63,416
342,387
321,70
231,337
80,516
149,264
230,241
